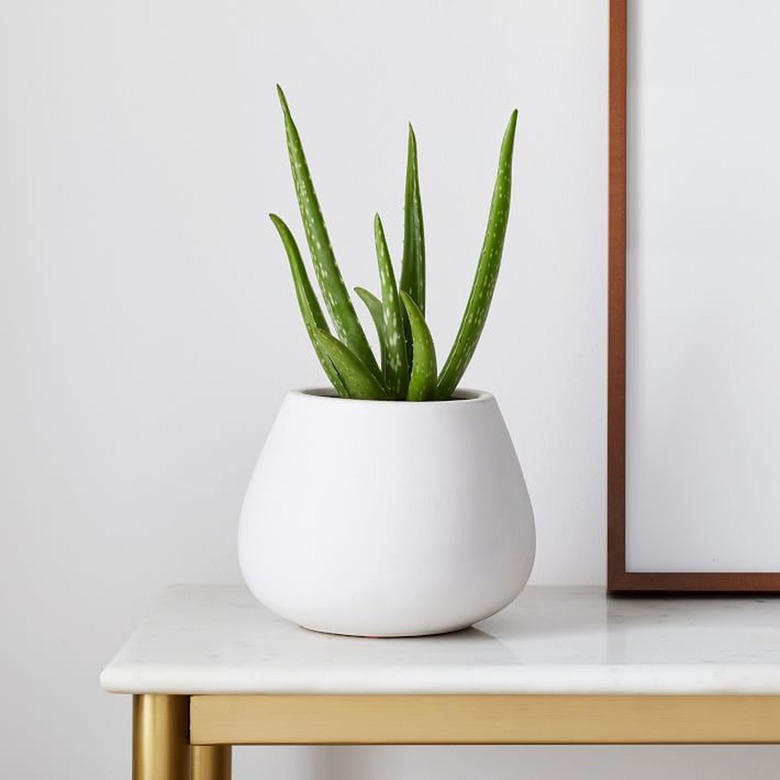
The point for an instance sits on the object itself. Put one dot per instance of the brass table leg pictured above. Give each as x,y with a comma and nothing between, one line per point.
211,762
161,727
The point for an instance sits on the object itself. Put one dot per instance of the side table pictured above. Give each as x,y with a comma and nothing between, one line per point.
211,668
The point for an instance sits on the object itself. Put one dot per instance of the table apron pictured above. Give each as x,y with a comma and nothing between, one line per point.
395,719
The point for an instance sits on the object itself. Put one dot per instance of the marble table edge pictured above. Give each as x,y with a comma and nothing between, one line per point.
754,680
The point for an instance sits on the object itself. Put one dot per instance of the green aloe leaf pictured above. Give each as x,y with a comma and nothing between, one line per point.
331,283
359,381
397,374
422,384
374,306
413,262
310,308
487,271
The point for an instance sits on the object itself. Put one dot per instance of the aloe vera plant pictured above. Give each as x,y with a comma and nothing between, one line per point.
407,369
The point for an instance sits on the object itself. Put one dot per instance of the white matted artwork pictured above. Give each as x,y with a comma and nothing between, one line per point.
701,224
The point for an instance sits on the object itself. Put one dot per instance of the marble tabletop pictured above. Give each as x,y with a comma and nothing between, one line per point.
551,640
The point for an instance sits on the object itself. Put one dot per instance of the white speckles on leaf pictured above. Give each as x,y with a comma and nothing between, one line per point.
397,367
422,383
329,277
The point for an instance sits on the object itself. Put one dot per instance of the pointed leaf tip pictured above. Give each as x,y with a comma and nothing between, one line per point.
282,99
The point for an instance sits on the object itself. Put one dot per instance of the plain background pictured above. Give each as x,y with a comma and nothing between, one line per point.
148,327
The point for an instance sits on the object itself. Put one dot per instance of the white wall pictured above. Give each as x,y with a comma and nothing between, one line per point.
148,327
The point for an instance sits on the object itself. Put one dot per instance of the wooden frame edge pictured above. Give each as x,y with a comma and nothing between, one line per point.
690,583
619,580
616,346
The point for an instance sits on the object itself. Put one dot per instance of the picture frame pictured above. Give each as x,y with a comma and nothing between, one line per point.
725,543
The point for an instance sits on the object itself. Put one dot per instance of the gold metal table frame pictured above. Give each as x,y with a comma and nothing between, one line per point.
178,737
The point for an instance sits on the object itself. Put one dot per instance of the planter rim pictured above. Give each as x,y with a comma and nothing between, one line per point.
462,395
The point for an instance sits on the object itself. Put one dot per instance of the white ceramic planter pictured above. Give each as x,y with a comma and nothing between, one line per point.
380,518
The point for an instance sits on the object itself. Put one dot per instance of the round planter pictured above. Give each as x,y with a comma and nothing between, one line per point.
381,518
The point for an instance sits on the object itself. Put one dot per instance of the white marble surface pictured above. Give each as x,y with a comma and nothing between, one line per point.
218,639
